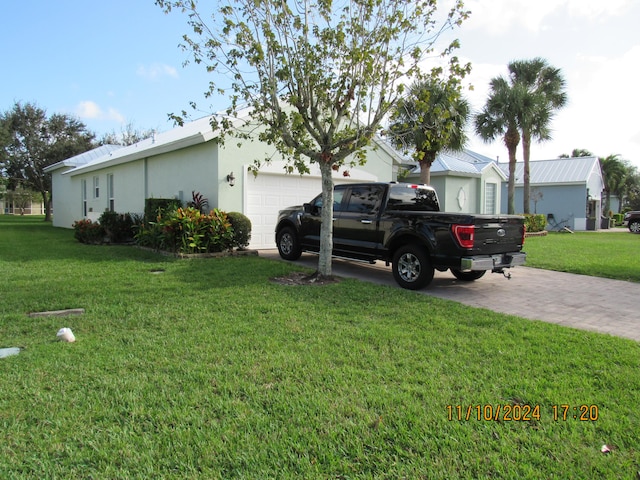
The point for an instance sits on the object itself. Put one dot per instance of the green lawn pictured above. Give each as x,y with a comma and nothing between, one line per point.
206,369
603,254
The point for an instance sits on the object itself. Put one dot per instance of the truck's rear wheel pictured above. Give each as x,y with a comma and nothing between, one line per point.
411,267
468,276
288,244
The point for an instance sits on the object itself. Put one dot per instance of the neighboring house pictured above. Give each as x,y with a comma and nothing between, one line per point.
190,159
20,202
569,189
466,182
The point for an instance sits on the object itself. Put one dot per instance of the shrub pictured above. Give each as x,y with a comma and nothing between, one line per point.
86,231
156,208
618,218
187,230
118,226
198,202
535,222
241,229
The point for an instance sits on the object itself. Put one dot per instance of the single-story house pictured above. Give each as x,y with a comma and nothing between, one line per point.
567,190
190,159
465,181
19,203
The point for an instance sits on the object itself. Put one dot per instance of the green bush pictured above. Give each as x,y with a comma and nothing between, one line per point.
241,229
187,230
535,222
155,208
86,231
618,218
119,227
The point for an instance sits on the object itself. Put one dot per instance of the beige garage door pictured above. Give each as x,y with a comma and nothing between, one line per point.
268,193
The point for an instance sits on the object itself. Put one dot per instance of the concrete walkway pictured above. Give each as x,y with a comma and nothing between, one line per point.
578,301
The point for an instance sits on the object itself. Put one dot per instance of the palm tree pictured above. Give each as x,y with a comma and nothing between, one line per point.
430,119
499,118
614,172
545,92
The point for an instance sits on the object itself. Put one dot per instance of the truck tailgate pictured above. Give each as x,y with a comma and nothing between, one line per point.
498,234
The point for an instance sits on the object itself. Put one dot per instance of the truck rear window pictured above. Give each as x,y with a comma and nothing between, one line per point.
406,196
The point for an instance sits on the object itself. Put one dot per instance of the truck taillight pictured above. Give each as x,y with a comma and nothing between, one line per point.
464,235
524,234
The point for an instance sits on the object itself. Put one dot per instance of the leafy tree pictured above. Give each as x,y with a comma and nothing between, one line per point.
319,77
128,135
31,141
499,118
430,119
630,190
577,152
543,93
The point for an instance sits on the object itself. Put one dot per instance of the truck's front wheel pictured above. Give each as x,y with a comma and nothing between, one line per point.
288,244
411,267
634,226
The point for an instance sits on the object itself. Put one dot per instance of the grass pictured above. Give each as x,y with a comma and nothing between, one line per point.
206,369
603,254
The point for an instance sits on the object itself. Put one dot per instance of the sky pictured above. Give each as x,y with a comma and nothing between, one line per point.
115,63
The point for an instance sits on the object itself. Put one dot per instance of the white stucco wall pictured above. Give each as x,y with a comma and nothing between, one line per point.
180,172
65,197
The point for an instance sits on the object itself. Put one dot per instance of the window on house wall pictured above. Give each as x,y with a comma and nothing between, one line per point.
110,194
83,188
490,190
96,187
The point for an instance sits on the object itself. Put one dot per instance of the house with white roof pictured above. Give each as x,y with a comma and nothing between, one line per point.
466,182
189,159
567,190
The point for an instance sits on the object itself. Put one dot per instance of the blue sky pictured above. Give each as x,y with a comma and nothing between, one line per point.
117,62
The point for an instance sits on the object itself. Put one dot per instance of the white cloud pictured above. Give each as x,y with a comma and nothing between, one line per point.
498,16
593,9
156,70
88,109
91,111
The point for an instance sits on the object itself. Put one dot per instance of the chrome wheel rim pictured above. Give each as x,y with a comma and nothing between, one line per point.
286,244
409,267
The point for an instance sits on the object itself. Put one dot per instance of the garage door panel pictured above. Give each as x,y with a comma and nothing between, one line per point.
267,194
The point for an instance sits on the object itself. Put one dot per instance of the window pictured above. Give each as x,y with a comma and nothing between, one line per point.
364,199
96,187
83,188
110,195
490,190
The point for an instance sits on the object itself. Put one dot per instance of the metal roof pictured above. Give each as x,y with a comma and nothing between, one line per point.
191,133
556,171
84,158
465,162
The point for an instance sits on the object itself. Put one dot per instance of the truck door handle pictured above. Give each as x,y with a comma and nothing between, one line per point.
366,222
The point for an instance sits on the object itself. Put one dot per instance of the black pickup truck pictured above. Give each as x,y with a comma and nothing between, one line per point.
400,224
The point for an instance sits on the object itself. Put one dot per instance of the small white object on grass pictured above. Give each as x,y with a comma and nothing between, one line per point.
66,335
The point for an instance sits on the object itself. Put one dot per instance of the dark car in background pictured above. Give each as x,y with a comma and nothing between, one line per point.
632,220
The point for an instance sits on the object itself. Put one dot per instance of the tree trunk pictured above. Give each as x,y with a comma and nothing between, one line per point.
425,168
326,216
511,185
511,140
47,206
526,153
